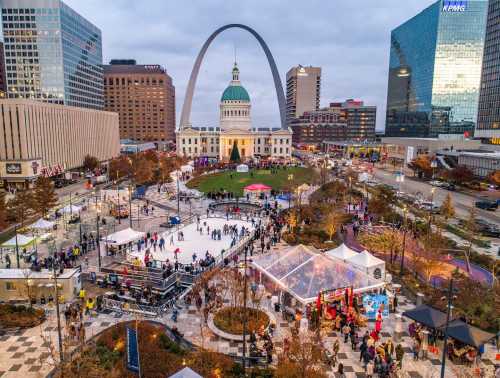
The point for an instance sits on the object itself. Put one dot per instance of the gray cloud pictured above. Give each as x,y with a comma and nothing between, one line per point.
348,39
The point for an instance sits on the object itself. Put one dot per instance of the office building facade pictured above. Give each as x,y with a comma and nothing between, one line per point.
435,70
49,139
52,54
144,98
3,80
303,88
488,120
361,119
350,120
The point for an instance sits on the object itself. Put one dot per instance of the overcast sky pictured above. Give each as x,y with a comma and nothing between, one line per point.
348,39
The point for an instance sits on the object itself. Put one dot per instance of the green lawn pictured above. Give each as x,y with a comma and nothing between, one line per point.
277,180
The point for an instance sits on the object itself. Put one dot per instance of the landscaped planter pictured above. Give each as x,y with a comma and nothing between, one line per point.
224,323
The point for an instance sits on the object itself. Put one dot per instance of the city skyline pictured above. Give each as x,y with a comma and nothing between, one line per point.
354,58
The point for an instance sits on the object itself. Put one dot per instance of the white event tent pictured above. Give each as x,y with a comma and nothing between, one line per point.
342,252
242,168
70,209
123,237
303,272
22,241
368,264
42,224
186,373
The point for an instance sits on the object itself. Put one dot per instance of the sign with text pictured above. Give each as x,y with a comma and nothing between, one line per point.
454,5
13,168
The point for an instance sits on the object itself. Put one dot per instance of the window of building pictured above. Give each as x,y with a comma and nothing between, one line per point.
10,286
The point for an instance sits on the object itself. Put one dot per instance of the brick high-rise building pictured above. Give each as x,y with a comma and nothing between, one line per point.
361,119
303,86
144,98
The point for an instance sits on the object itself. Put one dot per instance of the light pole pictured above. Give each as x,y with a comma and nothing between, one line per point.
58,313
130,205
17,248
245,312
431,208
401,270
350,195
119,209
448,310
98,243
178,194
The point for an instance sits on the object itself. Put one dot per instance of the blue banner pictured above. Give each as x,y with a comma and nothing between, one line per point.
132,350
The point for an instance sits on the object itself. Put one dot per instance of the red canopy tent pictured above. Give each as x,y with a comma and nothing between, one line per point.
257,187
256,190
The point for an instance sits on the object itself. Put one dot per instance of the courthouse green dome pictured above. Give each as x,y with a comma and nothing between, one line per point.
235,93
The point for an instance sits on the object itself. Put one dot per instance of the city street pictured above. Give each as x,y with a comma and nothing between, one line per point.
461,201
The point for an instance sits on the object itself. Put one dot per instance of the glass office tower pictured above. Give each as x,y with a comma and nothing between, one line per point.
488,120
52,54
435,70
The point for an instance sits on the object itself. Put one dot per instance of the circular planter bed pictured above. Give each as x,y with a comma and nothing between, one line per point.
228,322
12,316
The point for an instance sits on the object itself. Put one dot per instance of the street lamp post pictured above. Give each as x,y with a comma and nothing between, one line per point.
58,313
119,209
130,205
17,249
448,310
431,208
98,242
178,195
401,270
350,195
245,311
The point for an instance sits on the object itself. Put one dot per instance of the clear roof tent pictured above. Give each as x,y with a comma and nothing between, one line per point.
304,272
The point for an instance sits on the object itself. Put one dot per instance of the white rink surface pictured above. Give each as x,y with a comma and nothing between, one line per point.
194,242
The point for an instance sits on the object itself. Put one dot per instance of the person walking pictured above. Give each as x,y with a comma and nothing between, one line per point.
340,371
399,355
369,369
345,331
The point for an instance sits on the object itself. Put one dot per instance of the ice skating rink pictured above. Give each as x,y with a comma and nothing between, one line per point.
194,242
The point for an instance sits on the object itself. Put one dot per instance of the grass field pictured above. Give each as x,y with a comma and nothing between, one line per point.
277,180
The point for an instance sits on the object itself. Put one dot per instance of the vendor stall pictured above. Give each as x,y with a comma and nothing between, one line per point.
427,316
42,224
70,209
242,168
24,244
342,252
122,240
257,191
369,264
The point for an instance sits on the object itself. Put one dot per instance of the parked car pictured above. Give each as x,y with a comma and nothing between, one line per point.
449,186
430,206
437,183
487,205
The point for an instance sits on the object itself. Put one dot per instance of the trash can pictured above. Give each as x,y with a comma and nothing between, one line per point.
277,307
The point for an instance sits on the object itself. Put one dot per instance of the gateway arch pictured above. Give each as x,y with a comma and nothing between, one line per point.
188,100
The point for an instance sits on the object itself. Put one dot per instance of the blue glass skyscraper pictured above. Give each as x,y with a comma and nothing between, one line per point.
51,53
435,70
